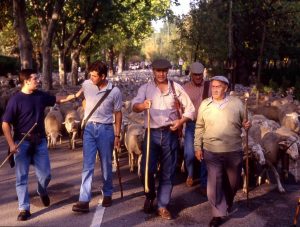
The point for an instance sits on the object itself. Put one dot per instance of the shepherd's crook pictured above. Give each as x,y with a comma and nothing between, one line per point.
247,148
296,214
118,172
147,153
21,141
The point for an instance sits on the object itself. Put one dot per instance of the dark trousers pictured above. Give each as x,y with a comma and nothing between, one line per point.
224,177
163,150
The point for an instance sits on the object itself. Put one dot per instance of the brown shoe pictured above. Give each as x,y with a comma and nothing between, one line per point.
107,201
148,206
24,215
82,207
189,181
164,213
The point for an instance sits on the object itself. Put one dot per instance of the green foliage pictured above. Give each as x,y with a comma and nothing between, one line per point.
162,44
273,85
8,37
267,89
204,33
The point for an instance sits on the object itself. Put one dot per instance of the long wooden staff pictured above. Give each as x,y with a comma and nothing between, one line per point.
296,214
247,148
147,153
118,172
21,141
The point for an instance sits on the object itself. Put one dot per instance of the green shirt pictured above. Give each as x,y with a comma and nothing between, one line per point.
219,127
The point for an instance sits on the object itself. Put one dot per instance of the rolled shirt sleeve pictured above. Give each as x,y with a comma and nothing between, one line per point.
141,95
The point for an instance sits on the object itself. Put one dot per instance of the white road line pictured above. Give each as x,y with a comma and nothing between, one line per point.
98,215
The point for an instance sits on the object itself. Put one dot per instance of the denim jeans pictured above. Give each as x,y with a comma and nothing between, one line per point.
97,137
42,170
163,150
189,153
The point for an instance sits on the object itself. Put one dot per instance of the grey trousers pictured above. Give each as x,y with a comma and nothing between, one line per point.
223,179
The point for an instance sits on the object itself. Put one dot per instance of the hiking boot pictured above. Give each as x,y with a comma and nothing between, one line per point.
23,215
189,181
107,201
164,213
148,206
82,207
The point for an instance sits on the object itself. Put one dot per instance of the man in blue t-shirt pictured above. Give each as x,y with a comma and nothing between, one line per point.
24,109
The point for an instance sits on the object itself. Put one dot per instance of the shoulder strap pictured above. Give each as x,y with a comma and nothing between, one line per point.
97,105
205,90
177,103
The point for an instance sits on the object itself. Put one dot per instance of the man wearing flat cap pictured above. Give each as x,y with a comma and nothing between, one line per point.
198,90
218,141
159,96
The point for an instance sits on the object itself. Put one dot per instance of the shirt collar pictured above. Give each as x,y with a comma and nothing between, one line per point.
225,100
108,87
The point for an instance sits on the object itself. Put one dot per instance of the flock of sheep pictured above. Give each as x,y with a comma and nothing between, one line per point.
273,139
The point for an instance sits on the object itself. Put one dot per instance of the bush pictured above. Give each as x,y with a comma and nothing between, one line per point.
9,65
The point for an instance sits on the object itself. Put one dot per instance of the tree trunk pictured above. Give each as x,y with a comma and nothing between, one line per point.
111,61
87,64
261,52
260,60
24,42
120,62
47,59
62,67
48,26
39,61
75,64
230,36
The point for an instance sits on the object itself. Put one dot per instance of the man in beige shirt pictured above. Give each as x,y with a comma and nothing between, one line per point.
218,141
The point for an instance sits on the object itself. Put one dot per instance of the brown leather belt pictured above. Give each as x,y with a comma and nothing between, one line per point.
167,127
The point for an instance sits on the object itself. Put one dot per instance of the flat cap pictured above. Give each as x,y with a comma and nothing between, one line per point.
196,68
161,64
220,78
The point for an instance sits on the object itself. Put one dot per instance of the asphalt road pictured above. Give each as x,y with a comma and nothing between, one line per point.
266,206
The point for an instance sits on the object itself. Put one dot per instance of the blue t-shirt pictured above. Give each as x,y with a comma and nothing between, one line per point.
23,110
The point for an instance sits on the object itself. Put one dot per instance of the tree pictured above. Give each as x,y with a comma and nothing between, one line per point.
48,13
25,44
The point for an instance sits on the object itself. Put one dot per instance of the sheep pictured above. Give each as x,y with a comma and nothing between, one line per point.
71,123
133,141
53,122
273,144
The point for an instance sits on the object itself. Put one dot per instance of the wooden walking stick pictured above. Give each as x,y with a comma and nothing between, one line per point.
147,153
21,141
296,214
118,172
247,148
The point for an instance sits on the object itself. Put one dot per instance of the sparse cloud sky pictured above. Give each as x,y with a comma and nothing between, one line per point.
183,8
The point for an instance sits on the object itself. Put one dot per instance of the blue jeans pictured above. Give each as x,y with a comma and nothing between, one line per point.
163,150
97,137
189,153
42,171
